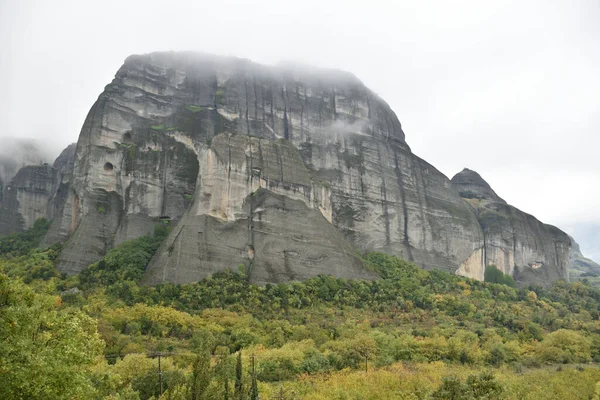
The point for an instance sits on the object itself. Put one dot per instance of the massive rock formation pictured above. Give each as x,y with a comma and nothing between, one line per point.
284,171
36,191
195,136
580,266
515,242
16,154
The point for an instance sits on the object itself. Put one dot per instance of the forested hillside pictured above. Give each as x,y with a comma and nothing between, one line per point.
411,334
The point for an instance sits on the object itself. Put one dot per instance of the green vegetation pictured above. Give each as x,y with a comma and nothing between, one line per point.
493,275
47,350
219,95
194,108
410,334
160,127
23,243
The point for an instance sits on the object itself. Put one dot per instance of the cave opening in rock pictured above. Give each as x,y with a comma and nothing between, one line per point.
108,166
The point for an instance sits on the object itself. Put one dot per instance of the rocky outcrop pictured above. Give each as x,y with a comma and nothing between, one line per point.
285,172
580,266
64,172
16,154
26,198
190,138
515,242
35,191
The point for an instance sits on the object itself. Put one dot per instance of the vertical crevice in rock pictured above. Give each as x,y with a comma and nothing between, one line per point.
384,201
286,127
386,214
485,260
247,107
417,173
333,103
280,162
272,108
255,99
400,181
164,179
514,235
251,249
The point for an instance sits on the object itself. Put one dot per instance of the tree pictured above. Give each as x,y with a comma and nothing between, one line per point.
45,349
201,375
452,389
564,346
254,387
239,384
493,275
226,388
365,346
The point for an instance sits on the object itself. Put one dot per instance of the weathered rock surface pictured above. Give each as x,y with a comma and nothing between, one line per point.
515,242
26,198
194,136
16,154
580,266
35,191
282,170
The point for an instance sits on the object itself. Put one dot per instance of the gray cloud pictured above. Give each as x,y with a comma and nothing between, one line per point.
507,88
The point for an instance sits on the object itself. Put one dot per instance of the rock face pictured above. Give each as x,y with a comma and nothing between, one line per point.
190,138
579,266
286,172
26,198
16,154
36,191
515,242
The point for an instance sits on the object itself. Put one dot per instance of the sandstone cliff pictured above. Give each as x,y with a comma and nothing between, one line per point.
515,242
16,154
195,136
286,172
35,191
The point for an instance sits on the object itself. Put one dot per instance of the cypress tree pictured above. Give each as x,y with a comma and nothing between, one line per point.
226,388
201,374
239,385
254,388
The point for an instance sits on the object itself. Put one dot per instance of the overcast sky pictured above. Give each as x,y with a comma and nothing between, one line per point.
510,89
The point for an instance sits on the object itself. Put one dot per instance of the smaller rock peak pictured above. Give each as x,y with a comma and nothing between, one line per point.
471,185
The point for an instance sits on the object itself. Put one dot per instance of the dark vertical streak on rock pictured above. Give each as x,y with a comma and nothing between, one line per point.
333,103
164,198
286,125
400,181
386,214
384,201
229,161
251,216
255,100
286,128
514,234
420,182
272,110
280,162
247,107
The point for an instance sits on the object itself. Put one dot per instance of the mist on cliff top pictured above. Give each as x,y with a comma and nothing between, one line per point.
506,88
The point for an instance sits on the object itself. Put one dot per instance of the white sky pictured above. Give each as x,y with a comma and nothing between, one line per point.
510,89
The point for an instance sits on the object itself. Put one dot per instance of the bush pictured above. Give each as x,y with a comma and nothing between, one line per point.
494,275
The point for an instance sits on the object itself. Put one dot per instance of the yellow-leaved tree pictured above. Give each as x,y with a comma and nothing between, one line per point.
45,349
